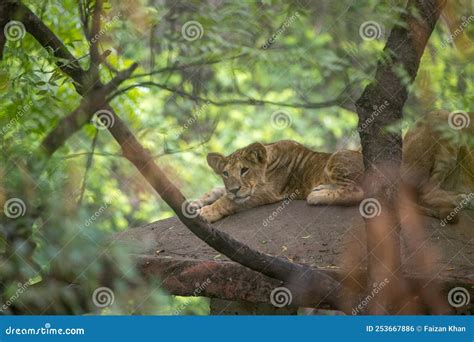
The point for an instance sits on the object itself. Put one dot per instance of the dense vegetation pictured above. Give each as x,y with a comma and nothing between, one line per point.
212,76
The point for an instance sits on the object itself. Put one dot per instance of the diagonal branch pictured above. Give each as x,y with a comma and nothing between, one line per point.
34,26
94,40
91,103
303,280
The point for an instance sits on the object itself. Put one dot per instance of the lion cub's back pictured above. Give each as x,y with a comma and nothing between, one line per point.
293,168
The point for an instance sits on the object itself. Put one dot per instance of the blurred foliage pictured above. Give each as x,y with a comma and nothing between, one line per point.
315,54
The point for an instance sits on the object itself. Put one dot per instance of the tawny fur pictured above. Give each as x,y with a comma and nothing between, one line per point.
261,174
441,171
438,161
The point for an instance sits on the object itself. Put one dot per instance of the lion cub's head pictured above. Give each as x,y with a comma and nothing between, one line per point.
241,171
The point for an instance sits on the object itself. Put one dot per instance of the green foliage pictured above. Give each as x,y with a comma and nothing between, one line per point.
313,52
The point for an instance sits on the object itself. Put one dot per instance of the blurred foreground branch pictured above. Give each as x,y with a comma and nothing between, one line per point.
382,150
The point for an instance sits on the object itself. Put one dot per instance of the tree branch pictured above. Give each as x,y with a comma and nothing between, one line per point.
5,9
189,65
303,280
34,26
88,166
91,103
338,101
94,40
379,106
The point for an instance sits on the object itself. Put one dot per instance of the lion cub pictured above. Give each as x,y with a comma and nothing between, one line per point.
441,168
267,173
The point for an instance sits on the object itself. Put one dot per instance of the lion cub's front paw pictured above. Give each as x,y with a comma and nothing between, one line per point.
209,214
197,204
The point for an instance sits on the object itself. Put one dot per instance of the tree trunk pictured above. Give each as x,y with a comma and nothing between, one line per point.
380,106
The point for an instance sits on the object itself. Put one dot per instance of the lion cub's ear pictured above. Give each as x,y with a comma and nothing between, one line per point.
216,161
256,153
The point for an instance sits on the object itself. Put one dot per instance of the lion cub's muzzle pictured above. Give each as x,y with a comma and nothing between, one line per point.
239,195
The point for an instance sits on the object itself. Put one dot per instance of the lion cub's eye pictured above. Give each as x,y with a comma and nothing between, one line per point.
243,171
225,173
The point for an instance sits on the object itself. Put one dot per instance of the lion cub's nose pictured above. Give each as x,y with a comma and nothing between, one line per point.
235,190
